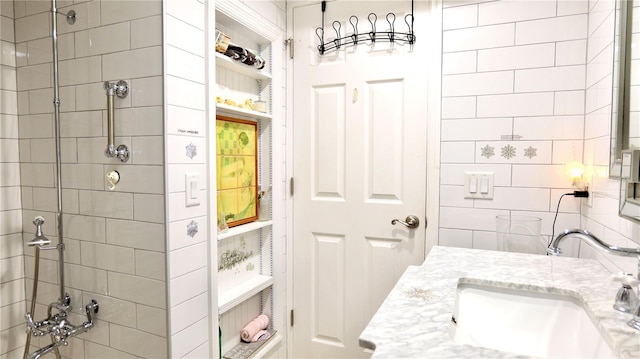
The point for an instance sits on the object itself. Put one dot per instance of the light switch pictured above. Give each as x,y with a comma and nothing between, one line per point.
484,185
473,184
192,187
478,185
194,190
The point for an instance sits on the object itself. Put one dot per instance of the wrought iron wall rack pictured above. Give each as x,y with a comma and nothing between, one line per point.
372,36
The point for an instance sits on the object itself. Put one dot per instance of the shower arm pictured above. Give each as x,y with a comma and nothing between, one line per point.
120,89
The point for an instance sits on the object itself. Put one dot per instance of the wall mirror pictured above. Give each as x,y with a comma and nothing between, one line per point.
625,119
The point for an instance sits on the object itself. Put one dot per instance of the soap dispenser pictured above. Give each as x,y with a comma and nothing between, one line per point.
625,298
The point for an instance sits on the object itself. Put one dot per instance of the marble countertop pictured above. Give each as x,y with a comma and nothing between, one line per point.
414,320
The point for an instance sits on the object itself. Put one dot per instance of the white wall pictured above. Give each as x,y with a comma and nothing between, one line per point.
12,295
540,70
517,69
185,113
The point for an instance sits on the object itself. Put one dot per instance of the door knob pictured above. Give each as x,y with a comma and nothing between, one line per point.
410,222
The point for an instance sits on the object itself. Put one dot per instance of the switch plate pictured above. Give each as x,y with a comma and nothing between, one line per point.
478,185
192,186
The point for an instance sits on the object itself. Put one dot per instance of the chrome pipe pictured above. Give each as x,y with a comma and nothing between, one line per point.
56,118
56,324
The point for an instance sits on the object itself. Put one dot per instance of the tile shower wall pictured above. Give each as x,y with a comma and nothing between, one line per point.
115,240
513,102
601,217
12,295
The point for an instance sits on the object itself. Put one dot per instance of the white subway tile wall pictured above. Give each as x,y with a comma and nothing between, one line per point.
115,240
12,281
523,102
513,95
184,61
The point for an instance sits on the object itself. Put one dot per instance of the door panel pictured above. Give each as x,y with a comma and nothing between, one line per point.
329,289
329,142
384,144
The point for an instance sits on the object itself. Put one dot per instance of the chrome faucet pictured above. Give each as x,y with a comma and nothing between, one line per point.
592,240
58,326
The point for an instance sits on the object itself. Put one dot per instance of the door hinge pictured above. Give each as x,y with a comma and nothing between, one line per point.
291,186
289,42
291,317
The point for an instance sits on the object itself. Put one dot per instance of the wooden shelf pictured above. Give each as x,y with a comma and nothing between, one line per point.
234,110
238,67
242,292
244,228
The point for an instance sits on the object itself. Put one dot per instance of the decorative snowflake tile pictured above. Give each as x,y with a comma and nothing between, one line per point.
488,151
530,152
192,150
508,152
192,229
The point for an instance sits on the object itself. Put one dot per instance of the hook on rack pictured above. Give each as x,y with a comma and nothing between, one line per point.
391,19
354,36
372,36
373,18
336,27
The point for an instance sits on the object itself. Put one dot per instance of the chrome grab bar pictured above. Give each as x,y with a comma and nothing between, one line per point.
120,89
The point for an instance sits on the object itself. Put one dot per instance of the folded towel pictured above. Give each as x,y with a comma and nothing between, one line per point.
254,327
261,335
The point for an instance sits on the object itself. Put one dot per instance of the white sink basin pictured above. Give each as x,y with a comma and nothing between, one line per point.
527,323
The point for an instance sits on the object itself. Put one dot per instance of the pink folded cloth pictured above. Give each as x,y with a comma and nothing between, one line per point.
254,327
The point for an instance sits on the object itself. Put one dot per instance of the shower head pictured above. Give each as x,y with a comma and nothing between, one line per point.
39,239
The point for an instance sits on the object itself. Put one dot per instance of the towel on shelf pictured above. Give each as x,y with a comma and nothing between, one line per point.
250,331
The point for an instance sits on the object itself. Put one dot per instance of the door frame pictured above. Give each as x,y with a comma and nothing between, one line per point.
434,98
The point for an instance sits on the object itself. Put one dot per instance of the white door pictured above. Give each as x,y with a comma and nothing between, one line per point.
360,120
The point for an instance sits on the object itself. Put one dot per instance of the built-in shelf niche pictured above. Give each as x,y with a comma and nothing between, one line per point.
242,293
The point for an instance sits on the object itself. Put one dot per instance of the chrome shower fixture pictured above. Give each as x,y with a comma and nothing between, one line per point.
39,239
57,325
120,89
71,16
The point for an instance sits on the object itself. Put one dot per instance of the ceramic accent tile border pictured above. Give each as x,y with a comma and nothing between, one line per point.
521,152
